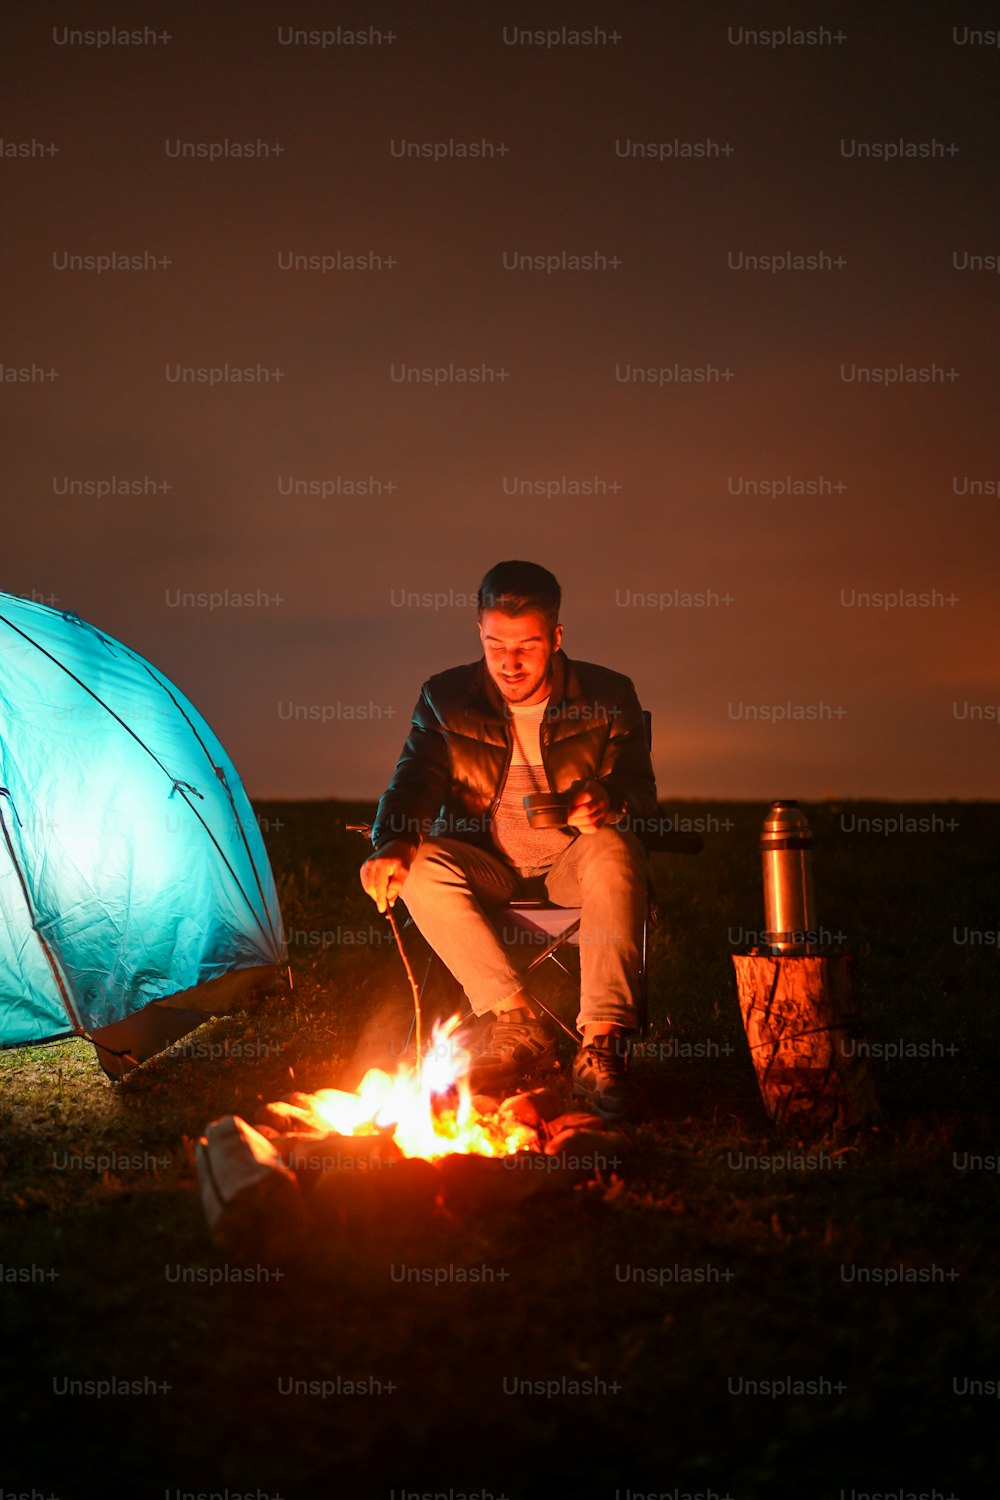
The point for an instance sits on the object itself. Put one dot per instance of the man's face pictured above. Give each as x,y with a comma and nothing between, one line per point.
518,651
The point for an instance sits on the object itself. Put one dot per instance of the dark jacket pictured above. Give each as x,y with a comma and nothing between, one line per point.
450,774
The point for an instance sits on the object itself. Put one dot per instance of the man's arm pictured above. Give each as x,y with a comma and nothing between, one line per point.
419,784
624,788
408,806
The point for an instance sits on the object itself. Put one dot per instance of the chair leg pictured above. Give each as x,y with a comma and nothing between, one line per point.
550,950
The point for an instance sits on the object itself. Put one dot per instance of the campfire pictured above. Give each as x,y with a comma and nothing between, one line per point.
426,1109
404,1148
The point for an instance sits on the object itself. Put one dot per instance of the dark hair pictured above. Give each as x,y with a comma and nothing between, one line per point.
516,588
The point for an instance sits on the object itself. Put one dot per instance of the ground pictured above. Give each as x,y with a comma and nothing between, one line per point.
639,1309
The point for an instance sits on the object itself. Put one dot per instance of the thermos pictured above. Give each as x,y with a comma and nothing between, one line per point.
786,855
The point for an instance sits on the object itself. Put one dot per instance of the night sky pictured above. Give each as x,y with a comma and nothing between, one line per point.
738,610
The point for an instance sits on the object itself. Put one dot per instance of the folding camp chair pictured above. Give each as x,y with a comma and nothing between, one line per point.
556,928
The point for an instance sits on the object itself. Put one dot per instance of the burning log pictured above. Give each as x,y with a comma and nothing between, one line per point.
797,1013
562,1133
574,1148
474,1184
287,1116
533,1108
313,1157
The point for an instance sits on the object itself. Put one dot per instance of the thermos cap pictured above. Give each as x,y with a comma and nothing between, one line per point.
785,826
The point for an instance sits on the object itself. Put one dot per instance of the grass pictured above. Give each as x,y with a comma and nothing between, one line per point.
695,1273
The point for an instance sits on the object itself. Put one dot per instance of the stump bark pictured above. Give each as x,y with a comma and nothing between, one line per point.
798,1013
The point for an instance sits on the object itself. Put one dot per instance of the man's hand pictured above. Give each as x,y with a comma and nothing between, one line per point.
590,806
384,873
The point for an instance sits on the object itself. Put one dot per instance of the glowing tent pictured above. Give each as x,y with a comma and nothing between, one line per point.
135,890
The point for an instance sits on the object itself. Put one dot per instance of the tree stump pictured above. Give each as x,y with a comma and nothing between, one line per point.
797,1013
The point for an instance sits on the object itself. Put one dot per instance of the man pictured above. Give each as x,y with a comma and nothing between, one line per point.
451,830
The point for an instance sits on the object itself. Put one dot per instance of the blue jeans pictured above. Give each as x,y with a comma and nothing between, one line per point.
451,884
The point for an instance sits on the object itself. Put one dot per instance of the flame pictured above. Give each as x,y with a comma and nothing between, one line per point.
428,1109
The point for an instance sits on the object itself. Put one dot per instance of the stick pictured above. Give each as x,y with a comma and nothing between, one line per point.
418,1036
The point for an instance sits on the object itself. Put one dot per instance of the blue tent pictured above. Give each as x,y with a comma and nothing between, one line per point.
135,890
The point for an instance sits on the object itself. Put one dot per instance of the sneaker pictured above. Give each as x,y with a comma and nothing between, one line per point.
513,1051
600,1076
